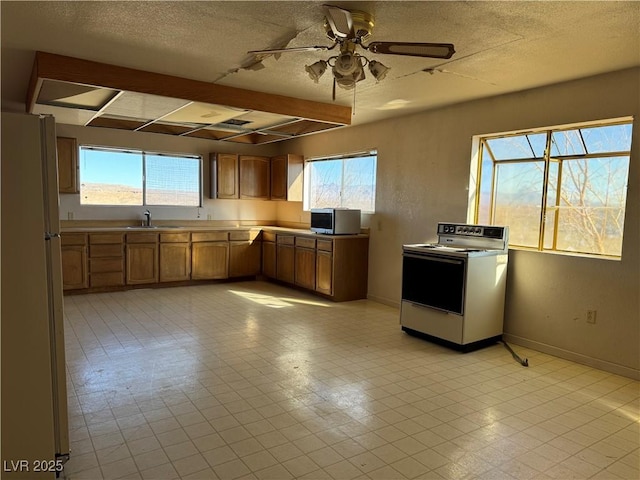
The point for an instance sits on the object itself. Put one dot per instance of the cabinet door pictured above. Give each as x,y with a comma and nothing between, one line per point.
175,262
74,267
279,178
269,259
305,268
244,258
286,177
224,180
254,177
142,263
324,272
67,164
285,260
209,260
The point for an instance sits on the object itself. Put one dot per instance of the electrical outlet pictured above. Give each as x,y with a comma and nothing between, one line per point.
591,316
208,216
69,215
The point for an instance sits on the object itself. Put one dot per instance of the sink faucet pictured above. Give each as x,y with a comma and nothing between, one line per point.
147,221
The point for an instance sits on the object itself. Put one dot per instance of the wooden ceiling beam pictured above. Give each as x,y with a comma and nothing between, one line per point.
69,69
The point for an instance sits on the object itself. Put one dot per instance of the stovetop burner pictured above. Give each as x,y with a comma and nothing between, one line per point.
437,246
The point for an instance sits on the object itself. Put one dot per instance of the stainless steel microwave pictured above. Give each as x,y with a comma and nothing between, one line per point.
335,221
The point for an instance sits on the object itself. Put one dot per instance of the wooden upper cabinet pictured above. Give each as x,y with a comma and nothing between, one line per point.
67,164
224,175
255,177
286,177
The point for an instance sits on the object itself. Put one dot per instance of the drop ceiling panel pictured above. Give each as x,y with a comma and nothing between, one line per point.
259,120
203,114
142,105
70,116
72,95
119,123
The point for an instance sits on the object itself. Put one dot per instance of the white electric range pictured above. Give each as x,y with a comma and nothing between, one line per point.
453,291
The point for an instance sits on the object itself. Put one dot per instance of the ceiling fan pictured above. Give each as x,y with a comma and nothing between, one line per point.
349,29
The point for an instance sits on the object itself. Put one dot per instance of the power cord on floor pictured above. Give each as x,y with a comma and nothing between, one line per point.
524,363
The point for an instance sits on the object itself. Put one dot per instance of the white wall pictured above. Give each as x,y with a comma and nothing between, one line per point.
423,175
217,210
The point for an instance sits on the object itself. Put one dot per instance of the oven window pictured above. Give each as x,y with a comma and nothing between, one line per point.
434,281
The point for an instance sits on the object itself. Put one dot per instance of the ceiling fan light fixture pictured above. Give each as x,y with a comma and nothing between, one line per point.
348,69
378,70
316,70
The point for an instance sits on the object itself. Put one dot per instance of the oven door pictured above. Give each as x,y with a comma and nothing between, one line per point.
434,281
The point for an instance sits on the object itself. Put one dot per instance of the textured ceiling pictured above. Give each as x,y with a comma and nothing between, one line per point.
500,46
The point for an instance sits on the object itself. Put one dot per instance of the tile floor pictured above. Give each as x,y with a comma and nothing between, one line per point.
254,380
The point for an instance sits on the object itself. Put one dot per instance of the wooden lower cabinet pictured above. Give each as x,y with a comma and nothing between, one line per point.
269,259
305,263
142,263
175,262
334,266
141,258
209,260
106,260
285,258
244,258
74,267
75,270
324,272
331,265
350,268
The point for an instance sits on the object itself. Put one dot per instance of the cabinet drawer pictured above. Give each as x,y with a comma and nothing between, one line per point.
73,239
107,279
325,245
142,237
268,236
105,251
304,242
102,265
286,239
239,235
102,238
209,236
174,237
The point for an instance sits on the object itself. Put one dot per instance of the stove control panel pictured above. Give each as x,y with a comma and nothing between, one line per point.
464,230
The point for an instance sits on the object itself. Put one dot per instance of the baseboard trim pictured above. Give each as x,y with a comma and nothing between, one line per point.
383,300
573,356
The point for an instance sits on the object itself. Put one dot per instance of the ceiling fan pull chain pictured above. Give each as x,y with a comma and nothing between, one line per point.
353,114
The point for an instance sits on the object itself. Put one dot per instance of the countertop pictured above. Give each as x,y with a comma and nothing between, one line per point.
177,229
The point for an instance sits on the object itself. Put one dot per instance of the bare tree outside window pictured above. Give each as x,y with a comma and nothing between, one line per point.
346,182
559,190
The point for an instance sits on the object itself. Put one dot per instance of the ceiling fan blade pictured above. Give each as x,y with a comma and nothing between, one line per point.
294,49
429,50
340,21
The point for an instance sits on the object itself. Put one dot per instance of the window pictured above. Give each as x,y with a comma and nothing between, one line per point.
347,181
561,189
110,176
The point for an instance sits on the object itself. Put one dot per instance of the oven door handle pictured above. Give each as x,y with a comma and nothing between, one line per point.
435,259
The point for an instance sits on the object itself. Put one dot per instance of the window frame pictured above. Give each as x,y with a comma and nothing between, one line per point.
143,153
548,212
307,177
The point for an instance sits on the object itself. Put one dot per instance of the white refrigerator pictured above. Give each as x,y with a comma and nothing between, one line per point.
35,433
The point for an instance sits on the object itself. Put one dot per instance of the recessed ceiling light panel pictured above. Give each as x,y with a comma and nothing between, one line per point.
143,105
